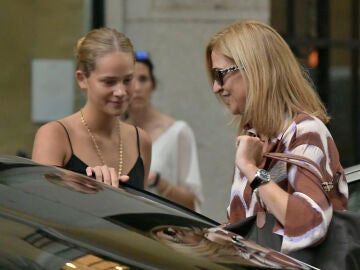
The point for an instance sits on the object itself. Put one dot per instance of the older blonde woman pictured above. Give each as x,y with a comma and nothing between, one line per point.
254,72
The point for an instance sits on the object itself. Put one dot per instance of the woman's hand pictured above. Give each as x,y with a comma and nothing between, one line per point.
249,154
106,175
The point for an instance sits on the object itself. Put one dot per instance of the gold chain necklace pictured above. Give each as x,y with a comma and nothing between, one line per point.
98,152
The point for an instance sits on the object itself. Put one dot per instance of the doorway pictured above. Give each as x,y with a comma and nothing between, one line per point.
324,35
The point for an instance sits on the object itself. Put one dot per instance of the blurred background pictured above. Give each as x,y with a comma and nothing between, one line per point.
37,83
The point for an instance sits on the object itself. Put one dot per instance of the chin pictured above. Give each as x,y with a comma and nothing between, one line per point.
234,111
119,111
136,107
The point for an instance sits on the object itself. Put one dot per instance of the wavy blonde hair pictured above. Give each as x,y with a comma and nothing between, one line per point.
278,86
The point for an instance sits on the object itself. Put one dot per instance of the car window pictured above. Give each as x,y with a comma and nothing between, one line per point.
354,196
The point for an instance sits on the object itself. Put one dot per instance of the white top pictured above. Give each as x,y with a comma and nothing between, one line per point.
174,156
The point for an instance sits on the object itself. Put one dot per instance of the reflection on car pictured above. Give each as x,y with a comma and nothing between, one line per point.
52,218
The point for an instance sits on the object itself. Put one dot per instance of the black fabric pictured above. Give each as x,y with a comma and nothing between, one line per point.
136,174
339,250
263,236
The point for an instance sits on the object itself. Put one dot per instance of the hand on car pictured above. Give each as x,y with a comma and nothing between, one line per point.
106,175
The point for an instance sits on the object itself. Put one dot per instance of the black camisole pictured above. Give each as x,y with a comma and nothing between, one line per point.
136,174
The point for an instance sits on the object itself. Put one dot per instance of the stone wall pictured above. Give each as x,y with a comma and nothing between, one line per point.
176,33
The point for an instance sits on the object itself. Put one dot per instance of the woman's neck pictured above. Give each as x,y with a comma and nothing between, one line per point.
142,118
99,122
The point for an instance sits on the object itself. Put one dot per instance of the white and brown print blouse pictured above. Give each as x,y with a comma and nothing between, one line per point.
309,210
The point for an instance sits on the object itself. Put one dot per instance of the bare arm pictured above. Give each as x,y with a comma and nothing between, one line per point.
50,145
176,193
248,157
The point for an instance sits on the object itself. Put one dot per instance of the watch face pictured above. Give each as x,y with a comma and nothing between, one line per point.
264,175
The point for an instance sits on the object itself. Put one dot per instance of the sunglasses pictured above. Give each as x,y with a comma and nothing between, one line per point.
218,74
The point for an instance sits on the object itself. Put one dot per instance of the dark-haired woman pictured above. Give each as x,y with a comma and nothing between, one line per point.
174,171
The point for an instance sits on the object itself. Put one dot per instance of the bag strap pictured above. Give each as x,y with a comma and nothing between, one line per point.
304,163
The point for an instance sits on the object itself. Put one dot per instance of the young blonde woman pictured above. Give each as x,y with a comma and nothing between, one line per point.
93,141
256,75
174,168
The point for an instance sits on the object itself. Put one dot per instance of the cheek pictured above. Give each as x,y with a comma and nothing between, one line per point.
238,101
239,94
130,87
147,91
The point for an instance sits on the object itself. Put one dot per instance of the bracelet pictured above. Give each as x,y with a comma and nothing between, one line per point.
167,190
156,181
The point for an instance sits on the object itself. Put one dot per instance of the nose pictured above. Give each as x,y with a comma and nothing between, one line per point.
216,87
136,85
120,90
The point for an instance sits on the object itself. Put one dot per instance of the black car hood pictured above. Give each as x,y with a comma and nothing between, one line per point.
52,218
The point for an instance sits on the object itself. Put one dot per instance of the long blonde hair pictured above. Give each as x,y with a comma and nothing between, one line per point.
278,86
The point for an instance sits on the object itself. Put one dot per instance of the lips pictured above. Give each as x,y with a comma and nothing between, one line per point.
136,98
226,98
118,102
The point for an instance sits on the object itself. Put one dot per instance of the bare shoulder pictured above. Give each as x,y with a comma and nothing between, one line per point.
130,130
144,137
51,144
53,130
167,120
56,129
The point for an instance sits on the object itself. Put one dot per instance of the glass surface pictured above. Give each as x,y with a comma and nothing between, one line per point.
354,196
340,107
340,19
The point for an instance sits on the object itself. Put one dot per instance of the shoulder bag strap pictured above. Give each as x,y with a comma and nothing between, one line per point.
304,163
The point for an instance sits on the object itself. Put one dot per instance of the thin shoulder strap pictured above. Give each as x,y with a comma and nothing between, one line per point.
138,141
67,133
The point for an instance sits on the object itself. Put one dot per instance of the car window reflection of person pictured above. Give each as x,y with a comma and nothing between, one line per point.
196,238
218,245
73,181
93,141
174,171
254,73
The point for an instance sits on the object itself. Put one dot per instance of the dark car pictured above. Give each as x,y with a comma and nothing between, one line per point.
52,218
353,178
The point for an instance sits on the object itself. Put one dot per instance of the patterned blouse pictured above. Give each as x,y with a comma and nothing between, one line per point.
309,210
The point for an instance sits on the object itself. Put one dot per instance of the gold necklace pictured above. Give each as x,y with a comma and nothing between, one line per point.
98,152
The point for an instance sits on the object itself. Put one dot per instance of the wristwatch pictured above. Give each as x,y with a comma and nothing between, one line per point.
261,177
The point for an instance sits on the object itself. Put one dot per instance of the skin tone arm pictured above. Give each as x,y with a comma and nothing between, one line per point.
249,154
49,144
180,195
